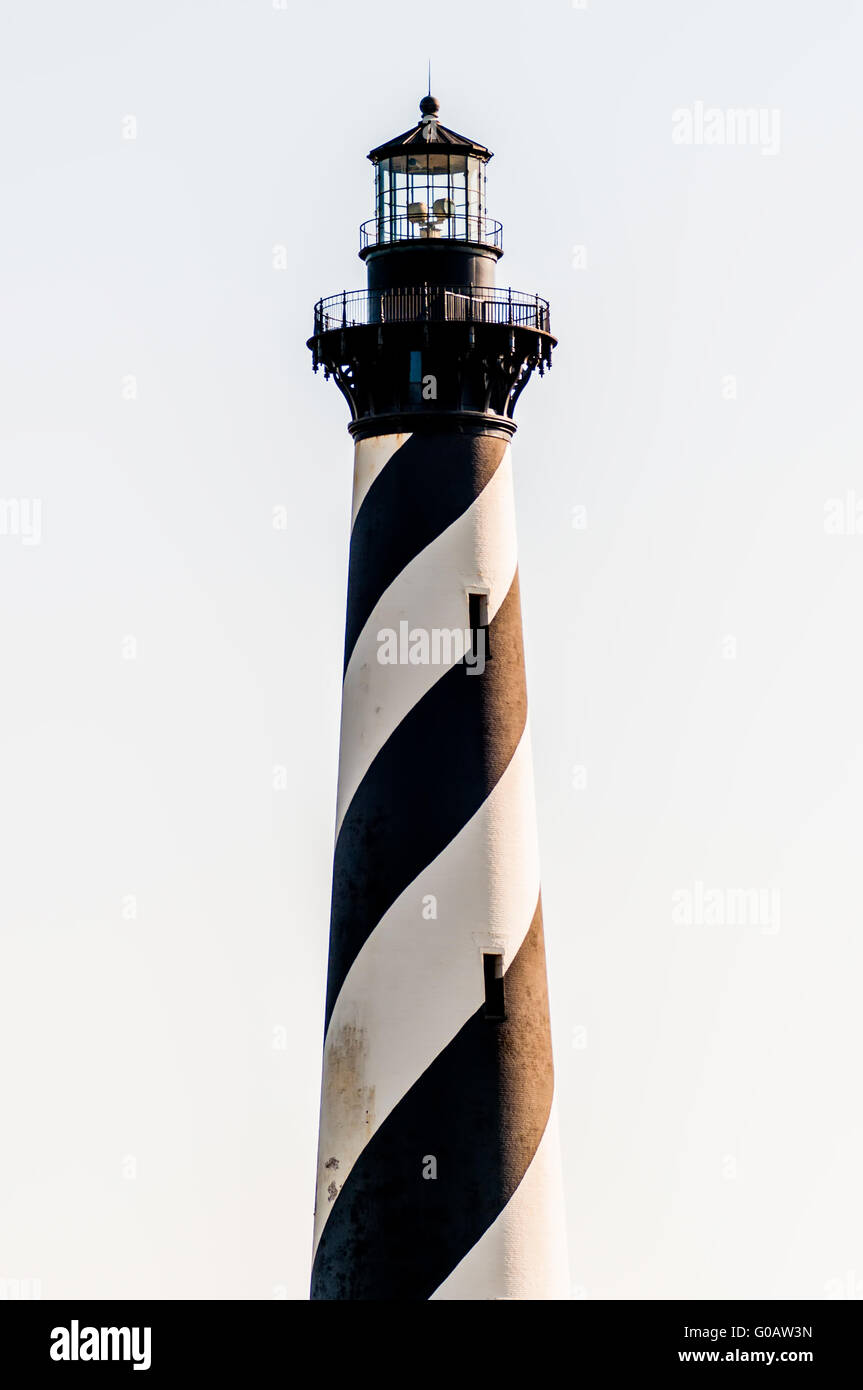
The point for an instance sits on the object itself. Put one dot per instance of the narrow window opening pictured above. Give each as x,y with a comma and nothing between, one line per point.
415,378
492,967
477,608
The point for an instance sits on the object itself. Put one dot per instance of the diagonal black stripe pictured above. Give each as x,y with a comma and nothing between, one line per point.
426,486
480,1110
433,773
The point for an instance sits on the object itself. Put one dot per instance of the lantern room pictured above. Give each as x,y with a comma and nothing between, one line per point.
430,187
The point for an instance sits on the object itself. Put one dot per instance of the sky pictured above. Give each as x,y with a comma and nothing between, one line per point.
181,182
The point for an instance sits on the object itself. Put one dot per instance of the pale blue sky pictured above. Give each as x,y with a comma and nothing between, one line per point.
711,1142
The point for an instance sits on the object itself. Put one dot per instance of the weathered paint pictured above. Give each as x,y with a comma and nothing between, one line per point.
435,803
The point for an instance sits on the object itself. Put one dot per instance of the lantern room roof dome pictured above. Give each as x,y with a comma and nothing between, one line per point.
429,135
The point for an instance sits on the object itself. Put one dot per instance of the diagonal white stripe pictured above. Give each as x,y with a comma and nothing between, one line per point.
523,1253
417,981
478,550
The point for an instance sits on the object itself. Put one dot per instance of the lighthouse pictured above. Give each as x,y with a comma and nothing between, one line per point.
438,1160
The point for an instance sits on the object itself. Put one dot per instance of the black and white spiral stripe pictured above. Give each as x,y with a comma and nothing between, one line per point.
435,802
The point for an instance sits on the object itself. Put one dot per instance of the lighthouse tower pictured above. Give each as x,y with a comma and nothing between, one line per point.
438,1163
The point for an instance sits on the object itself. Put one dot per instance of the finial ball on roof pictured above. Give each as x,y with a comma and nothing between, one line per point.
429,105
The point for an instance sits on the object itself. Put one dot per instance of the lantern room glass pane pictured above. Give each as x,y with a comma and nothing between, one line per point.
432,194
474,188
